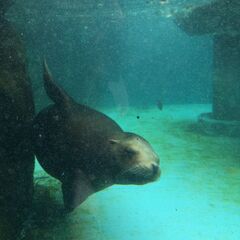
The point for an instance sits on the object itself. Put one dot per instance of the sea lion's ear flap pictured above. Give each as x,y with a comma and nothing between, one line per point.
114,141
54,92
76,188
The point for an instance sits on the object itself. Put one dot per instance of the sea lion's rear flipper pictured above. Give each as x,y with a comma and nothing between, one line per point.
76,188
54,92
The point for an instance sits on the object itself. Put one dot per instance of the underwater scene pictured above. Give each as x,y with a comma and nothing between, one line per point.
120,120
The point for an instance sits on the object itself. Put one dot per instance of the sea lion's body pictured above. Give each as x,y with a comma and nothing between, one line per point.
95,129
86,150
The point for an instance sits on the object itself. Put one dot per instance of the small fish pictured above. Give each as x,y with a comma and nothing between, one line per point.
160,105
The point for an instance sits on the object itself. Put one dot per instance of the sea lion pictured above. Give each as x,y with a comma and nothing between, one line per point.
86,150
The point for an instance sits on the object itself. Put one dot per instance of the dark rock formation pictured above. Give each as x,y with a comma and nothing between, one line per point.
4,5
16,156
220,16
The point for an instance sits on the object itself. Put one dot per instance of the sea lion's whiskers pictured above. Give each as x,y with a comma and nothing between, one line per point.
137,170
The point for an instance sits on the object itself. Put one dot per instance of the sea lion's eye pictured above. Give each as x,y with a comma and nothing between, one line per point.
129,152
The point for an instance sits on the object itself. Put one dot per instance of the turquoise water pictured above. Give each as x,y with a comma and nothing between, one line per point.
123,58
196,198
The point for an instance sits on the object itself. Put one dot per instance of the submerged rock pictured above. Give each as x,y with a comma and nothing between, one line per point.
50,221
4,5
220,16
16,156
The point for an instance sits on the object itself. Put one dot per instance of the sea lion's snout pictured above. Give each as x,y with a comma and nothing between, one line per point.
155,169
152,173
139,175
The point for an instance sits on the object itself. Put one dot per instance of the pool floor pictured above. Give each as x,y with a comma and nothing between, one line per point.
196,198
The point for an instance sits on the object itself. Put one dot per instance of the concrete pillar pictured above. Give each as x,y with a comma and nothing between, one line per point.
220,19
226,81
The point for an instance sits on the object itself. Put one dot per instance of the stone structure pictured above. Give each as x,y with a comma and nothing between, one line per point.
4,5
17,109
221,19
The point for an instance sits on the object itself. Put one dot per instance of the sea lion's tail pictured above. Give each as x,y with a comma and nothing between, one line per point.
55,92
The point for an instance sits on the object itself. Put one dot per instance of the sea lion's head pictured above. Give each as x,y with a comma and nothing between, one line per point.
135,159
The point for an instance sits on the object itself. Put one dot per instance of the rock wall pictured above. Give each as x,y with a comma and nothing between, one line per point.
4,5
16,156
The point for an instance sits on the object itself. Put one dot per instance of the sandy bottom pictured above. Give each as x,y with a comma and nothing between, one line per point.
196,198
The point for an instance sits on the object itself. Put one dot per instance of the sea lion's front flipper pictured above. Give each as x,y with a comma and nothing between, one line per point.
76,188
55,92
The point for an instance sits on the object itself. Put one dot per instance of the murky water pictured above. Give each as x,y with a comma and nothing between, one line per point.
152,66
